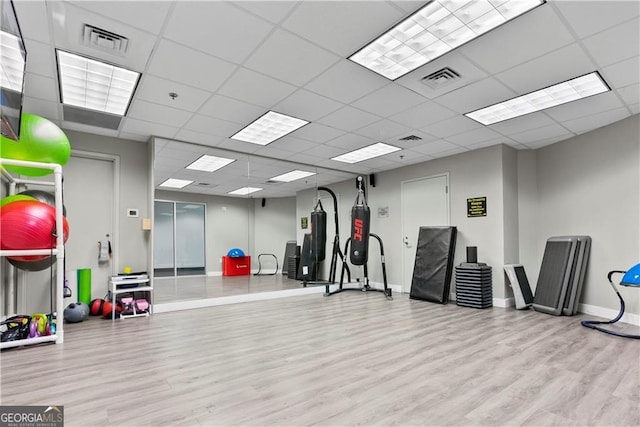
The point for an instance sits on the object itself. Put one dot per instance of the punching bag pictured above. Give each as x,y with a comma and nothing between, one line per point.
318,232
360,223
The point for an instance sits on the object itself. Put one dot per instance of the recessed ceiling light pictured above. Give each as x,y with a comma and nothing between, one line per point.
561,93
11,62
244,191
366,153
175,183
95,85
435,29
268,128
292,176
210,163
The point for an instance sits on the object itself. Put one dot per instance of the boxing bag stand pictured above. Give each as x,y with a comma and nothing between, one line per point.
357,246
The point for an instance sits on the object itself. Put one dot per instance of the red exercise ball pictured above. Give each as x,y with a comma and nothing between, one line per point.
28,224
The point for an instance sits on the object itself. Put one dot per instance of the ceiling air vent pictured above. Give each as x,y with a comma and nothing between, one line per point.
104,40
203,184
410,138
440,78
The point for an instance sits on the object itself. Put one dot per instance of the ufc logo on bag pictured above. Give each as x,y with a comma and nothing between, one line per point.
357,229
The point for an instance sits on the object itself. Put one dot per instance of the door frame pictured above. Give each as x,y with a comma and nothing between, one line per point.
402,196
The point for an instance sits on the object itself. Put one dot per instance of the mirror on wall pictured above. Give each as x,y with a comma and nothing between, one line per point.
233,212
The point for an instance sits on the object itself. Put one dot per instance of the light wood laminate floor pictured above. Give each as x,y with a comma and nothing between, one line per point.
350,359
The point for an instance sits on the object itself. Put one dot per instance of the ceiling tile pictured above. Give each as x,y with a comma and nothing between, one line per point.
139,127
230,109
270,151
307,105
630,94
595,121
635,108
554,67
476,95
33,18
350,142
294,145
491,143
452,126
305,158
522,123
212,126
132,136
254,88
590,17
539,134
273,11
325,151
217,28
435,147
41,87
339,25
625,38
584,107
289,58
545,142
346,82
349,119
147,15
623,73
389,100
528,36
155,89
423,115
244,147
316,132
198,137
155,113
473,137
175,62
88,129
384,130
40,59
47,109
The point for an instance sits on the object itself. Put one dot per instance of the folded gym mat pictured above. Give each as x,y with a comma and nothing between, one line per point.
555,274
434,264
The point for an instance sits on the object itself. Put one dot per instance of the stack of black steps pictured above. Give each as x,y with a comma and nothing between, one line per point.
474,286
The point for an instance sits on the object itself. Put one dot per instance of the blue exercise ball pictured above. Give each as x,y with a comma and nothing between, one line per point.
235,252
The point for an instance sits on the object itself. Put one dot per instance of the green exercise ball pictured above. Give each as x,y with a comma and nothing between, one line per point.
15,198
40,141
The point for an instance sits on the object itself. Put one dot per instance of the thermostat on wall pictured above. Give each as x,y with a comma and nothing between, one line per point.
133,213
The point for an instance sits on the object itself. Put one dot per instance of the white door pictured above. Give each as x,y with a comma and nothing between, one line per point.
89,199
425,202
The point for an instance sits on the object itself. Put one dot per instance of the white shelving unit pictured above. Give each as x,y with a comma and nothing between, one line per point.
142,285
58,252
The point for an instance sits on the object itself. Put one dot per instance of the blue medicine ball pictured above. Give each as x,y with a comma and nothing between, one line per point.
235,252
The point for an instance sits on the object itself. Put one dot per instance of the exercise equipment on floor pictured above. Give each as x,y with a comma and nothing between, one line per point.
433,266
474,286
562,272
291,259
267,256
357,246
520,285
313,246
631,279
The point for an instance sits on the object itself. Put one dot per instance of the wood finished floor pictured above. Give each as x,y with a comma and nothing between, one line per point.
351,359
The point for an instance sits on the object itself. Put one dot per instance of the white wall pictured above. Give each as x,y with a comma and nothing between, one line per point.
590,184
274,224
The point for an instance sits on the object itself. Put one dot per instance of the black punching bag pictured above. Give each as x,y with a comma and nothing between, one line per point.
360,222
318,232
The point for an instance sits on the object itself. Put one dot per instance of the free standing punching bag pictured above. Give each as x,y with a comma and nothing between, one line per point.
318,232
360,223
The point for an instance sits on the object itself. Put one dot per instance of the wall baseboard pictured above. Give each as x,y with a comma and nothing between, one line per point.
214,273
607,313
497,302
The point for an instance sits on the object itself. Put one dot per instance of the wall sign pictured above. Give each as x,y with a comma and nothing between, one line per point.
383,212
476,206
304,222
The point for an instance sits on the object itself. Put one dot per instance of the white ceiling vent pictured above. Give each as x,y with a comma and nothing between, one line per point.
104,40
410,138
440,78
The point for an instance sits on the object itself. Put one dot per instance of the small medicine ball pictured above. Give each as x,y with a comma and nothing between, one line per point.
74,313
235,252
96,306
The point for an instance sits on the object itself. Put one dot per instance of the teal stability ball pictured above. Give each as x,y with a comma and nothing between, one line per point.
40,141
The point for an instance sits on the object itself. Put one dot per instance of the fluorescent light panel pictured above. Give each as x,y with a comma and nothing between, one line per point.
210,163
437,28
268,128
175,183
561,93
366,153
95,85
244,191
11,62
292,176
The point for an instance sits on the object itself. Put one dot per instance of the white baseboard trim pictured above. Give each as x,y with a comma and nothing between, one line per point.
497,302
234,299
214,273
607,313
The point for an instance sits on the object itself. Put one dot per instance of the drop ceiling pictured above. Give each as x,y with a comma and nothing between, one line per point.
231,62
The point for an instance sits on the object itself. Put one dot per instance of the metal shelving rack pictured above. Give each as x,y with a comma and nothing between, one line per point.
58,251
